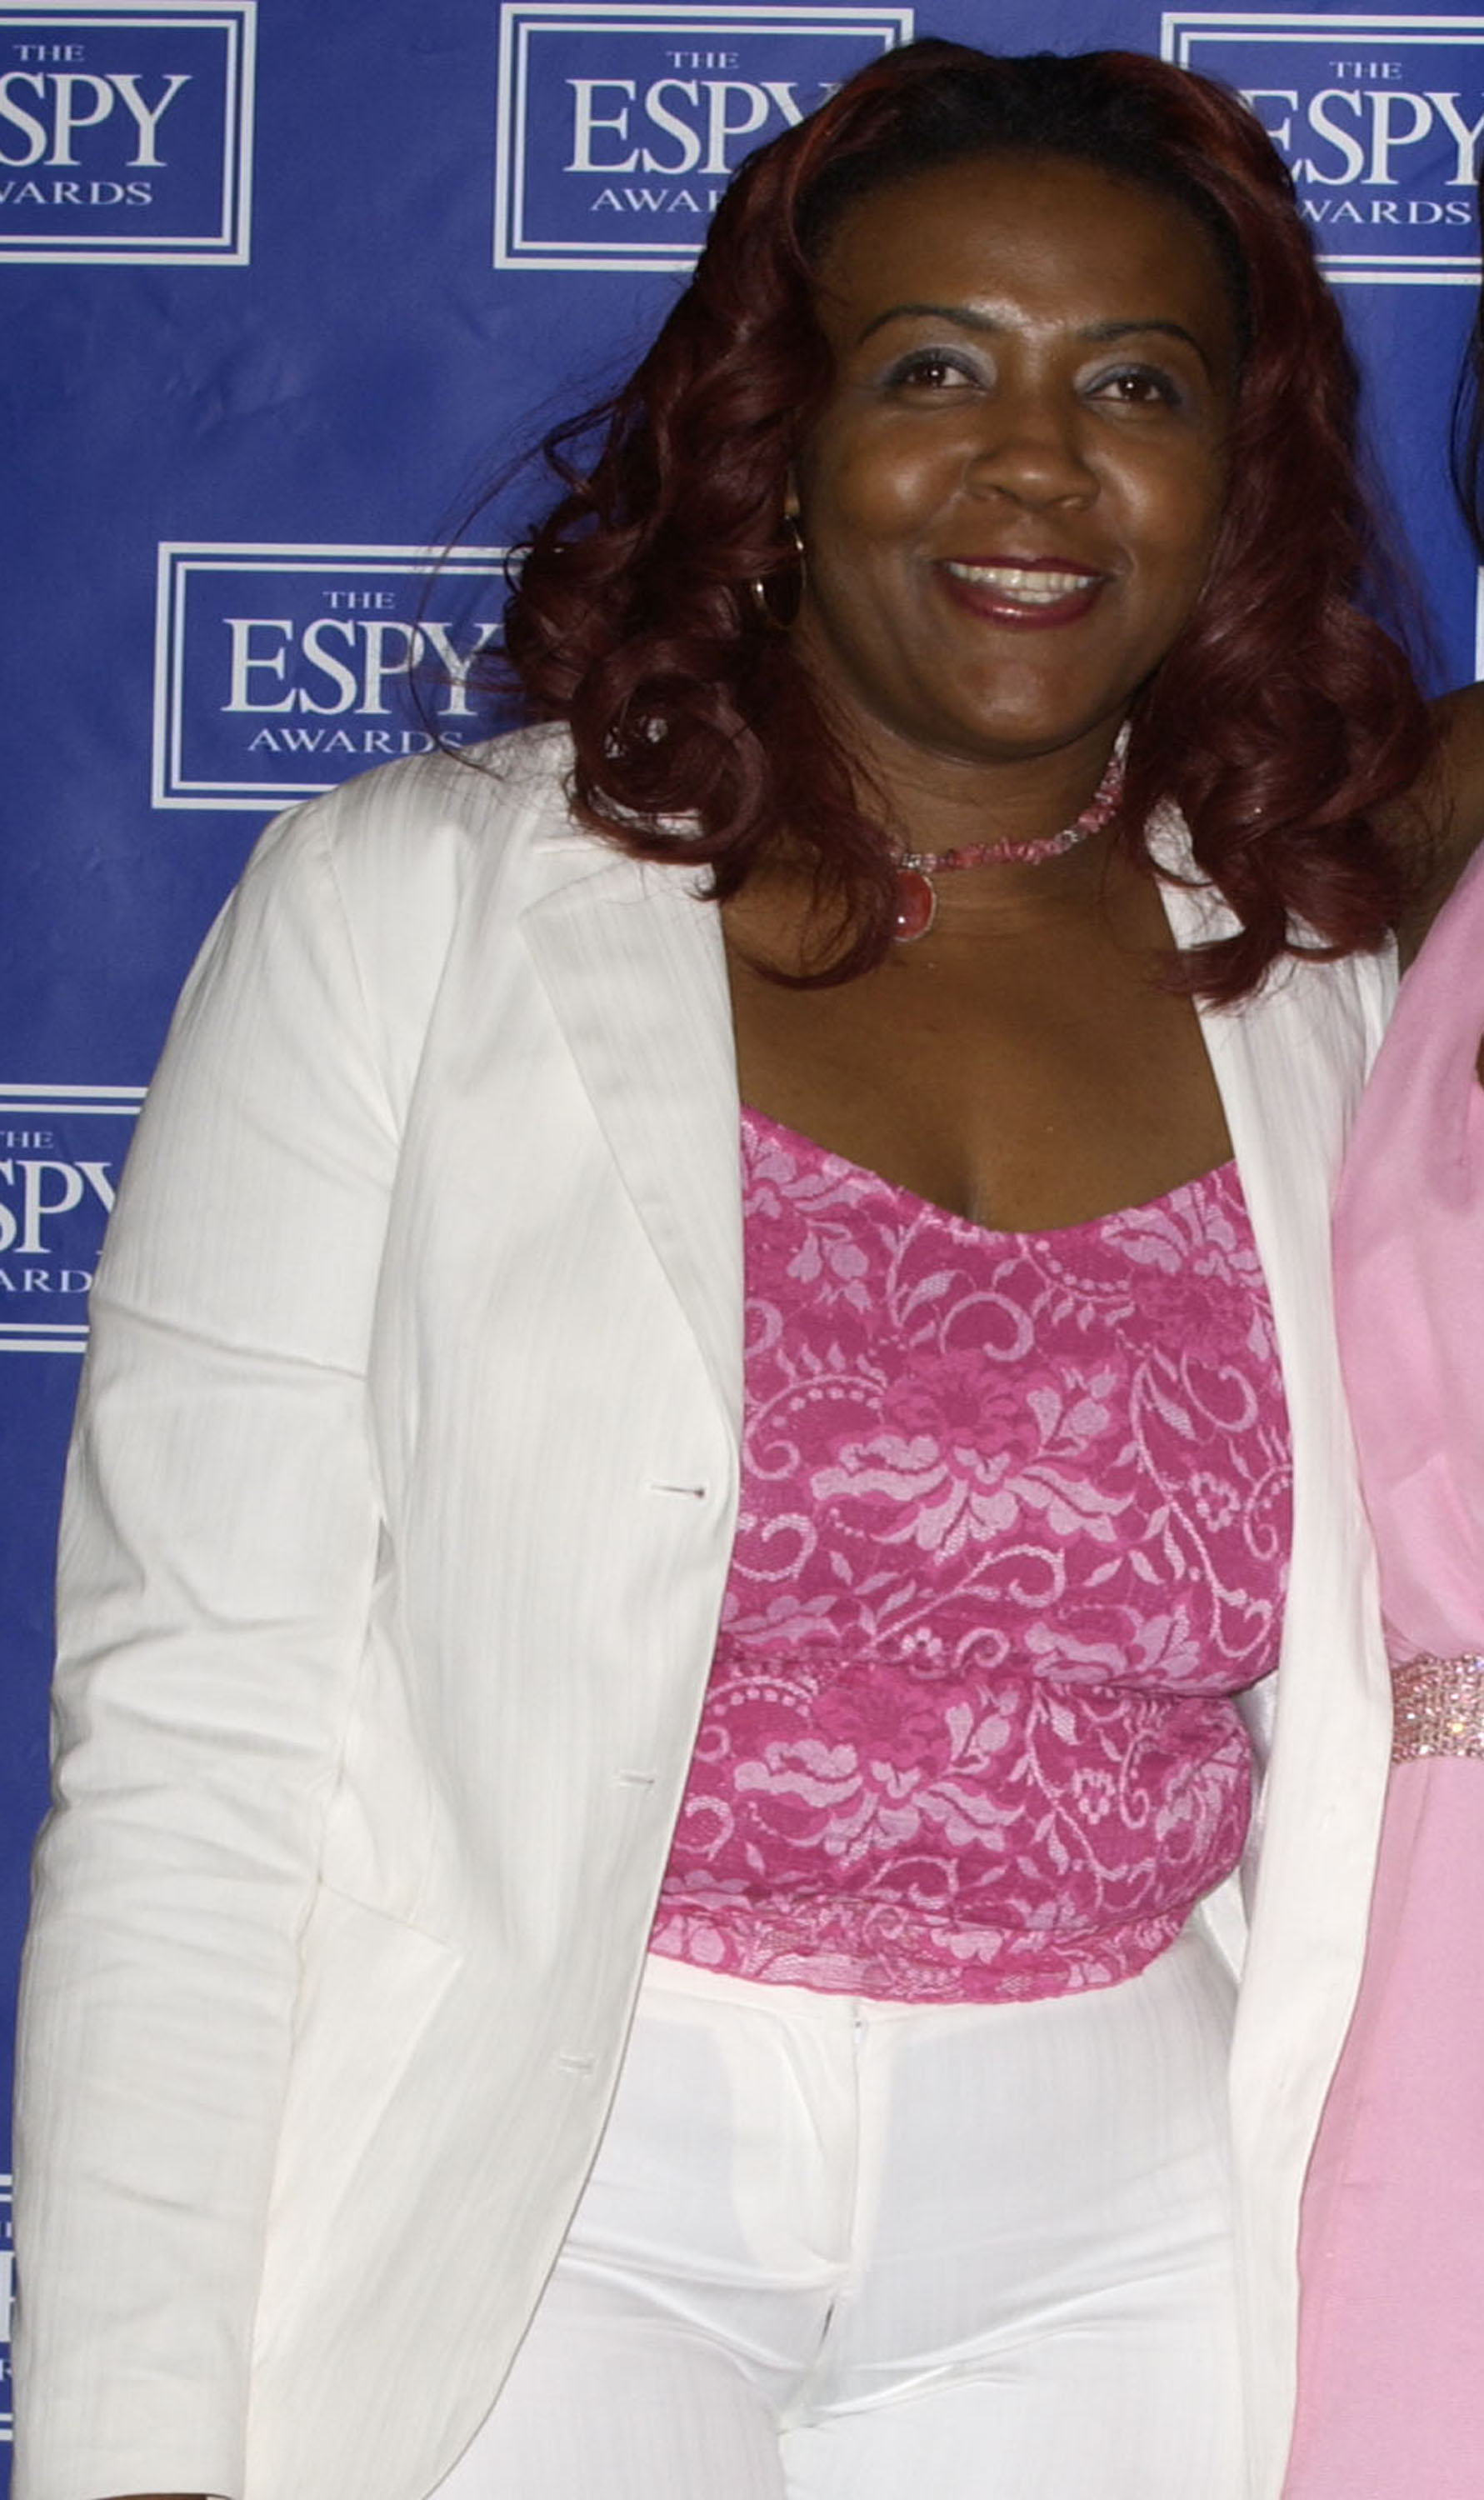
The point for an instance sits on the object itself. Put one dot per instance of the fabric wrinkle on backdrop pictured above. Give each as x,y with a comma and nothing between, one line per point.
284,289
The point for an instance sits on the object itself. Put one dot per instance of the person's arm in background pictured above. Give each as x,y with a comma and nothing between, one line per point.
1447,819
1449,823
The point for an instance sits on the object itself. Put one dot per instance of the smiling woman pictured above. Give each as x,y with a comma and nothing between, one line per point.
713,1374
1008,499
1012,493
1277,716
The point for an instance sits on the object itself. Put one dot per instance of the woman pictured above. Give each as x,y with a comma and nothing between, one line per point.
423,1446
1391,2254
1390,2380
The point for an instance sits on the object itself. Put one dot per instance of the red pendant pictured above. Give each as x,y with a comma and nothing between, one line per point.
916,904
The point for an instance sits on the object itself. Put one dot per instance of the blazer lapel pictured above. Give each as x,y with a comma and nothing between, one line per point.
631,959
1290,1064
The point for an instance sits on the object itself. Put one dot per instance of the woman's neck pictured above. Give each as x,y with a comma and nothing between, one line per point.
933,801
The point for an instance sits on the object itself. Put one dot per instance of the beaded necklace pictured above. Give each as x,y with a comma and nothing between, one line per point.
917,894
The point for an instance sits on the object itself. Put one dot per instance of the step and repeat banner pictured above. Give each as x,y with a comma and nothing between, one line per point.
285,288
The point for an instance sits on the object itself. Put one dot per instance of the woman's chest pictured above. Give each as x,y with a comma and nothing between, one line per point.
1061,1453
1019,1077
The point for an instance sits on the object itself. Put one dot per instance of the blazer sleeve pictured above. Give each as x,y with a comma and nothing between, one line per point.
219,1537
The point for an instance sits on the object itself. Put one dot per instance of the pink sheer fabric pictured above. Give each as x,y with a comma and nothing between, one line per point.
1014,1526
1391,2360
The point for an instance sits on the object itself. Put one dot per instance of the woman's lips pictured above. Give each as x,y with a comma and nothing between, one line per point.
1034,594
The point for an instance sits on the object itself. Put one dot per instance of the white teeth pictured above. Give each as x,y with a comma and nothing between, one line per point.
1027,589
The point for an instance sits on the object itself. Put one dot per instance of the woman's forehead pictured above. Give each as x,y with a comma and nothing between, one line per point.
1056,234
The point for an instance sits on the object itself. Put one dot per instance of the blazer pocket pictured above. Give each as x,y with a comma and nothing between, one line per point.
370,1987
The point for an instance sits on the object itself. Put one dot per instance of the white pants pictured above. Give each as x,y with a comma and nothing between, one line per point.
836,2249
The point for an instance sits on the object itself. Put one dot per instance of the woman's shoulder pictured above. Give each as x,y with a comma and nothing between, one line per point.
393,863
412,820
353,905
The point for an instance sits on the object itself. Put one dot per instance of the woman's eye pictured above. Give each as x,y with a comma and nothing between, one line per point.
930,369
1138,387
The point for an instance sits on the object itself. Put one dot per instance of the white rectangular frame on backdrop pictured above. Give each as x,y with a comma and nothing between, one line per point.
519,20
1183,30
19,1104
171,786
230,246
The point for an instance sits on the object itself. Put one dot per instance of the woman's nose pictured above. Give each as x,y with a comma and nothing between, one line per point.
1030,448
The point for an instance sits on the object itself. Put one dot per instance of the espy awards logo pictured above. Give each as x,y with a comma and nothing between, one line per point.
618,126
126,132
279,670
61,1151
1380,120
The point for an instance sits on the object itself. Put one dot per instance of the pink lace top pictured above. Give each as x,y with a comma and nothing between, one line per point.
1014,1527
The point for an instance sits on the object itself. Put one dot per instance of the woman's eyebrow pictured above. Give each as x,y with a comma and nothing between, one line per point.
1104,333
1096,333
957,313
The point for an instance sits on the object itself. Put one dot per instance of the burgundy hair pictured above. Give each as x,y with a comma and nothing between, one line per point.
1280,722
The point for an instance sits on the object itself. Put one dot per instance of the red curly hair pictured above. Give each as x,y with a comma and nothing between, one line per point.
1280,722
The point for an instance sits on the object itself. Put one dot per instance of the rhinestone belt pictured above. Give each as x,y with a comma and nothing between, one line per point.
1437,1707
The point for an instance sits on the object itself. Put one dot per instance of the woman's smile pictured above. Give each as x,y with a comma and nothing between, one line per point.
1039,592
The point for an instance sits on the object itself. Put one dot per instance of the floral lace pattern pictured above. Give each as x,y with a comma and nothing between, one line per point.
1014,1528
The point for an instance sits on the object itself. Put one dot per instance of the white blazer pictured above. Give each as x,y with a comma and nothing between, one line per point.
399,1517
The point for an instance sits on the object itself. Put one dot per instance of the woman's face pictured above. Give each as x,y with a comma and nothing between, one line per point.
1010,499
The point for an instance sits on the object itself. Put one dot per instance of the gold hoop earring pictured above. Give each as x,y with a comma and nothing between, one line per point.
760,589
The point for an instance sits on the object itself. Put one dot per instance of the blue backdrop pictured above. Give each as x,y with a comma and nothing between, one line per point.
284,284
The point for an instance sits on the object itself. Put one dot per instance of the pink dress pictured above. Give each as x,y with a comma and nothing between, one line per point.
1013,1529
1392,2252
